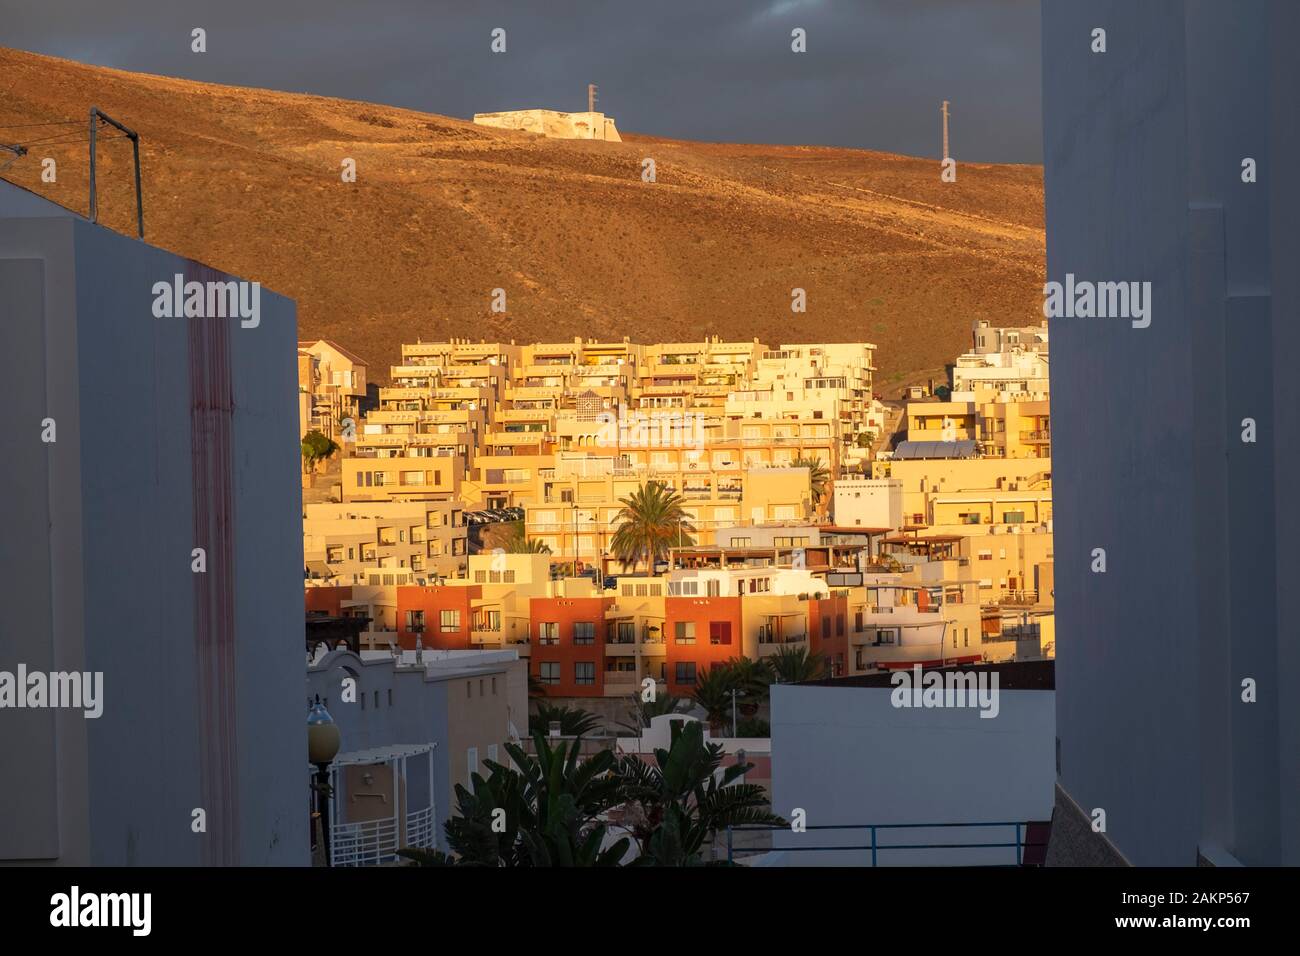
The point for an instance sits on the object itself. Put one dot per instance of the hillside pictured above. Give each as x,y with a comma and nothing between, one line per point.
443,212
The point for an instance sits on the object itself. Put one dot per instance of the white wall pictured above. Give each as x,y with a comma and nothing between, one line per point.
846,755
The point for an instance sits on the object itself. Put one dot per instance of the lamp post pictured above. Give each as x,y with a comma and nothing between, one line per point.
322,747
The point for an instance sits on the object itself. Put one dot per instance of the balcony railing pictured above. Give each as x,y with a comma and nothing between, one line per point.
376,842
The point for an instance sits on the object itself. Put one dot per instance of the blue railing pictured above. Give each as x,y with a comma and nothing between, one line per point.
1019,844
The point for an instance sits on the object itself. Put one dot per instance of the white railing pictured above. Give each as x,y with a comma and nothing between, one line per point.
375,842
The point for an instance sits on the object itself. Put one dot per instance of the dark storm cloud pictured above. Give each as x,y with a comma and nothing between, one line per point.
873,77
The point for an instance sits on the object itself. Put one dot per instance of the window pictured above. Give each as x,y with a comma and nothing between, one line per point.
584,672
548,672
390,697
494,687
1013,517
715,588
548,632
685,672
857,620
469,689
415,621
684,632
741,542
492,752
719,632
584,632
449,621
826,628
471,765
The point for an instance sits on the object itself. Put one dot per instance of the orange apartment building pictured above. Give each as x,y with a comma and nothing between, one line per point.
567,644
439,617
698,633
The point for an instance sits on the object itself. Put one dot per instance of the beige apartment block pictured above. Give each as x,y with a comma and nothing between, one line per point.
1015,429
331,386
942,421
578,501
635,646
344,543
1009,361
954,495
410,478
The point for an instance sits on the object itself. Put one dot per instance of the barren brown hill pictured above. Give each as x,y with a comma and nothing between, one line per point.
444,211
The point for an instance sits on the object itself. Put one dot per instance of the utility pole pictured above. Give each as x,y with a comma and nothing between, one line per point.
944,111
591,97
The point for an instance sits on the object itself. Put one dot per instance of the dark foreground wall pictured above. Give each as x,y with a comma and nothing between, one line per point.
1144,147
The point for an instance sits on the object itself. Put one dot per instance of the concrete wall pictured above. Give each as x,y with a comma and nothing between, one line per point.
554,124
1143,148
847,756
171,434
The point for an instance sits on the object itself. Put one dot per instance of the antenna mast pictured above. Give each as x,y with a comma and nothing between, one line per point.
944,111
97,114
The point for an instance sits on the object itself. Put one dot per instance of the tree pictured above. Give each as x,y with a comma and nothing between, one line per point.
817,477
676,805
751,679
574,722
642,711
865,439
791,664
315,449
651,521
713,693
510,537
542,812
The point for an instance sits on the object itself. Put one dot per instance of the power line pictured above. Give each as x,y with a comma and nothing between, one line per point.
27,125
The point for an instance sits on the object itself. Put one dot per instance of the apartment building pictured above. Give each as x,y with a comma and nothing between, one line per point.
955,495
1010,361
1002,425
331,388
411,730
345,543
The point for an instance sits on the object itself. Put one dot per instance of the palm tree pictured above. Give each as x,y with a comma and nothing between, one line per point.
675,805
651,520
817,477
545,813
790,665
713,693
511,538
574,722
751,678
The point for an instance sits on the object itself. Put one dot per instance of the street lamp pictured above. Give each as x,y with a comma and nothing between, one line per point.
322,747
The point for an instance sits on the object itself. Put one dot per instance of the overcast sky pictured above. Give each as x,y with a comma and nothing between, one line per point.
873,76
